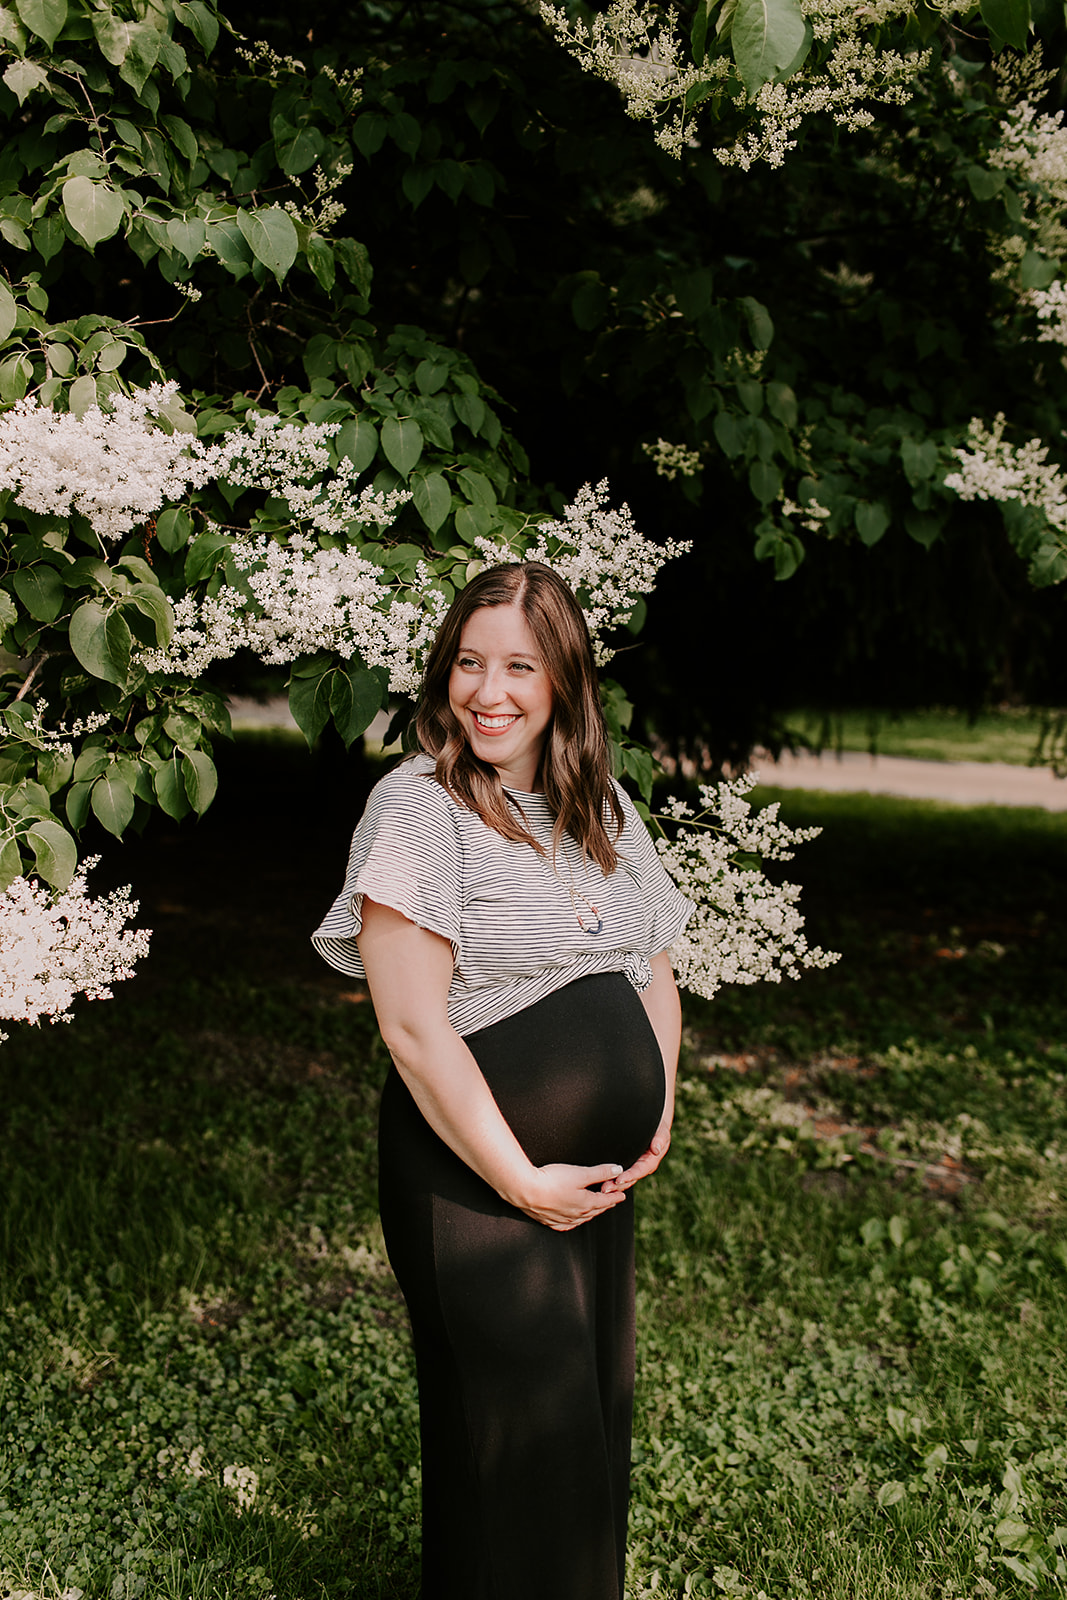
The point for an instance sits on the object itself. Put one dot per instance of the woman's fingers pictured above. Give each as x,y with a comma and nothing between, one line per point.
568,1196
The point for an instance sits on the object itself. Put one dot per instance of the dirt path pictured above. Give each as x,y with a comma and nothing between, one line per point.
966,783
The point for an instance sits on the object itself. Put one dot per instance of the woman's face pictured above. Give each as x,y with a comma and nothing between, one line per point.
500,693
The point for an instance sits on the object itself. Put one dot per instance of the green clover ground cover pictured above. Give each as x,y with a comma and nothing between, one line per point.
853,1278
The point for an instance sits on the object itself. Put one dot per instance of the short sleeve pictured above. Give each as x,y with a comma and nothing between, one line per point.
666,908
406,854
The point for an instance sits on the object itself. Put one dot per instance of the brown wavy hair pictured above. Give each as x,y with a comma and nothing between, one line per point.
575,766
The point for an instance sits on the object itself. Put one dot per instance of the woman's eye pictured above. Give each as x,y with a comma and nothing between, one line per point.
465,661
521,666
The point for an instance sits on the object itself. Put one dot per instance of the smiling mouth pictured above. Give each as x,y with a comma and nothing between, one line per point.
493,724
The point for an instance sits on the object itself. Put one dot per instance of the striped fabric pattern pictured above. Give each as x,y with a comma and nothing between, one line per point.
515,922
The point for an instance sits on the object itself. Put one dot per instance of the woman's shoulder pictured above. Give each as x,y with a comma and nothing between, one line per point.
411,787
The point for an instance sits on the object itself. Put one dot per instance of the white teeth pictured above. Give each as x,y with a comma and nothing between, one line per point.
493,722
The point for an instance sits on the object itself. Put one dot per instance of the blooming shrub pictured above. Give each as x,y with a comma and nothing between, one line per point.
54,946
113,467
746,929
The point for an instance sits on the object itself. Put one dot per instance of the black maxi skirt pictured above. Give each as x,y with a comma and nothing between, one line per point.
524,1337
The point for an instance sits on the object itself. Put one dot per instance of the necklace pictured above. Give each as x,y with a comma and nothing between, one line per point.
589,920
585,919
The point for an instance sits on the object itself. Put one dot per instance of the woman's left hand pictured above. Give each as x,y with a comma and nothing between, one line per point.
645,1165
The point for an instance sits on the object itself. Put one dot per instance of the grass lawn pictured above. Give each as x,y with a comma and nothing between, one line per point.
853,1268
936,734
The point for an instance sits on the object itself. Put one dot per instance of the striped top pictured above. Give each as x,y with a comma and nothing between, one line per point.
516,924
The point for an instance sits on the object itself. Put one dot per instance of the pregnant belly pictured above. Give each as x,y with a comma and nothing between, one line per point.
578,1076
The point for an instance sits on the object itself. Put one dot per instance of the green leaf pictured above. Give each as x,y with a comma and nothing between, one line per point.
728,434
48,236
430,375
272,238
182,137
354,260
354,360
22,77
984,184
201,780
54,851
204,555
45,18
142,53
309,701
169,789
227,241
416,183
432,497
321,260
355,700
41,591
187,235
8,311
93,210
699,31
470,409
173,529
10,864
112,801
872,520
405,132
401,443
476,487
81,395
767,36
919,458
151,602
760,326
1037,271
299,149
358,440
112,36
101,641
782,404
765,481
474,522
202,23
1007,19
922,527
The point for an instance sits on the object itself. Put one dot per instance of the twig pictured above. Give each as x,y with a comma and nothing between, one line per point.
28,680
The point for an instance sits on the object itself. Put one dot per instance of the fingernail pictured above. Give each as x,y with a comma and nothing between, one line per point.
615,1171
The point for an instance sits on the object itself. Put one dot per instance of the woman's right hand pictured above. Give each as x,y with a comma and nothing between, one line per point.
563,1197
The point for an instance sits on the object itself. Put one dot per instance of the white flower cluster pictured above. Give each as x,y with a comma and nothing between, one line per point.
631,45
856,74
1034,144
54,946
291,461
1051,307
745,929
991,469
671,459
243,1482
811,516
602,556
115,468
297,599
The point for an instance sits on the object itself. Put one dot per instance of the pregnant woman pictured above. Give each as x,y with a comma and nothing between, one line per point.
511,916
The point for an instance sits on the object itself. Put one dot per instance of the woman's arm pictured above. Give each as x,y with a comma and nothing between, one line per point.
409,971
664,1010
